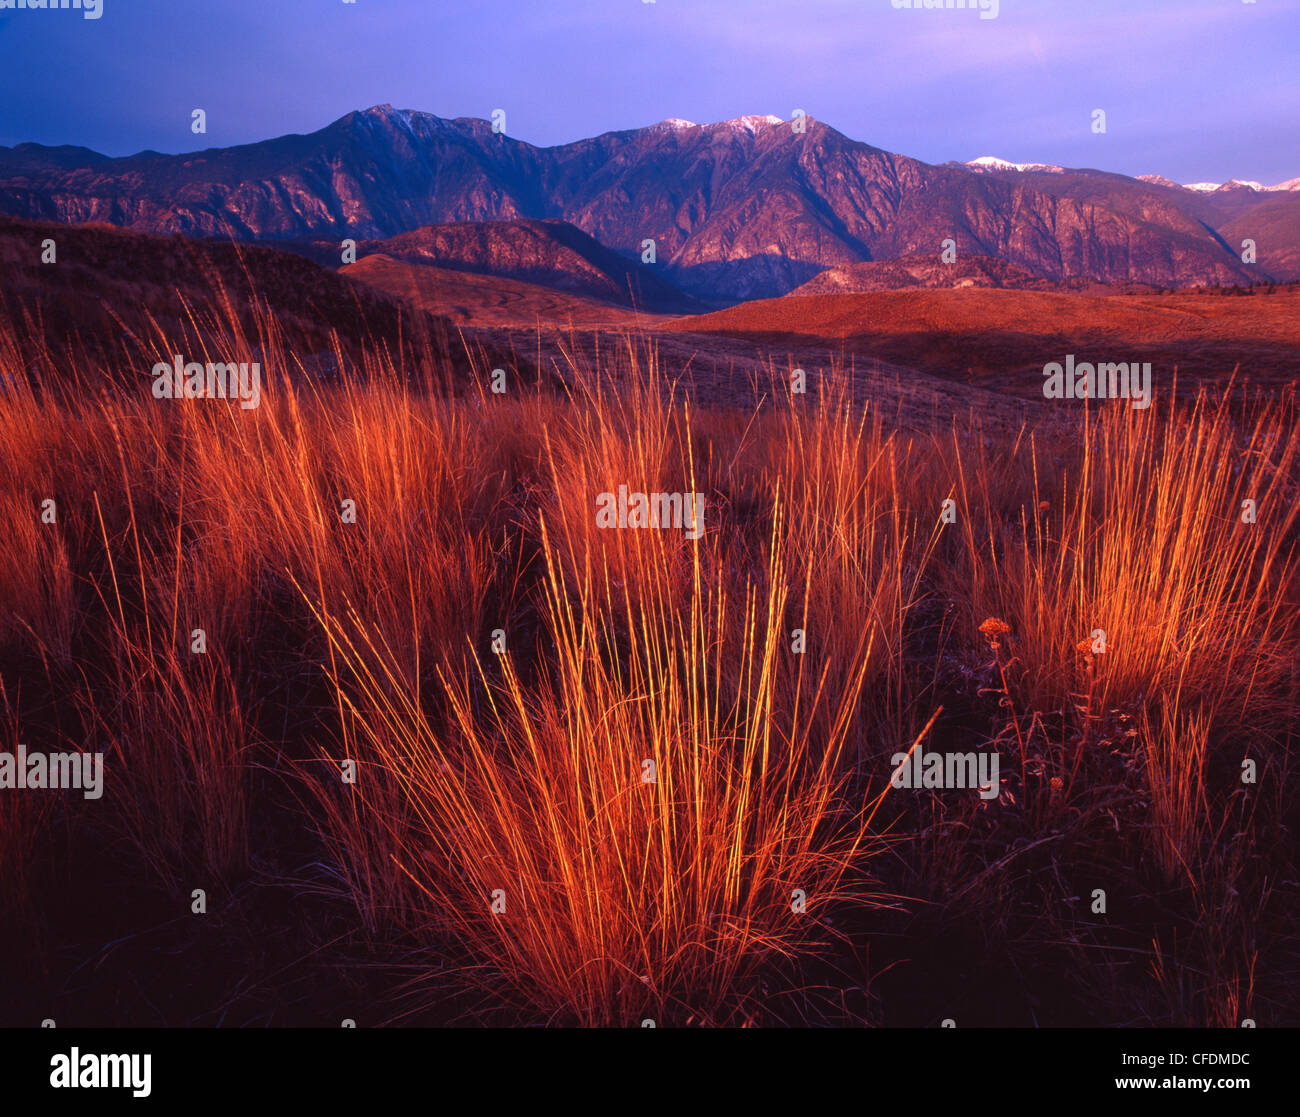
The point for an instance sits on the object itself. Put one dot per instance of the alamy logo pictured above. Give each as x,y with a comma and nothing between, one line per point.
90,9
651,510
179,380
83,771
988,9
121,1072
1108,380
947,769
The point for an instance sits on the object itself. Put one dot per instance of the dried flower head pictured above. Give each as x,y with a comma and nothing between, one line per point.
994,630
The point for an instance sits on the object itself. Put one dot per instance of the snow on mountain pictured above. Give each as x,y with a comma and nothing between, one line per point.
993,163
1234,184
751,123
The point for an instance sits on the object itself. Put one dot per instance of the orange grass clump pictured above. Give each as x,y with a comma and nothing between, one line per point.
630,836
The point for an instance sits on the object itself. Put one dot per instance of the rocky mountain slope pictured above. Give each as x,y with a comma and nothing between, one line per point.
554,254
931,272
742,209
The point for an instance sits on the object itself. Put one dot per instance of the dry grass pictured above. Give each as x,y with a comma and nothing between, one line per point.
520,774
1141,537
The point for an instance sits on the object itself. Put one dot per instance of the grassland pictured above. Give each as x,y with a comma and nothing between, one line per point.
495,672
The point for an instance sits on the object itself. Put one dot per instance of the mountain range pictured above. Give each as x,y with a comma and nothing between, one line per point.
743,209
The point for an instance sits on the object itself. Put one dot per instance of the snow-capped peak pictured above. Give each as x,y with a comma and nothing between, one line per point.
993,163
677,122
751,123
1231,184
1241,184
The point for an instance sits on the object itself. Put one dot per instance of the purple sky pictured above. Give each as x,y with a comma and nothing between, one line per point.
1200,90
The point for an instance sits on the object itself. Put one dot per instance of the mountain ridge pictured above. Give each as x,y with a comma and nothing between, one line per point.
738,209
